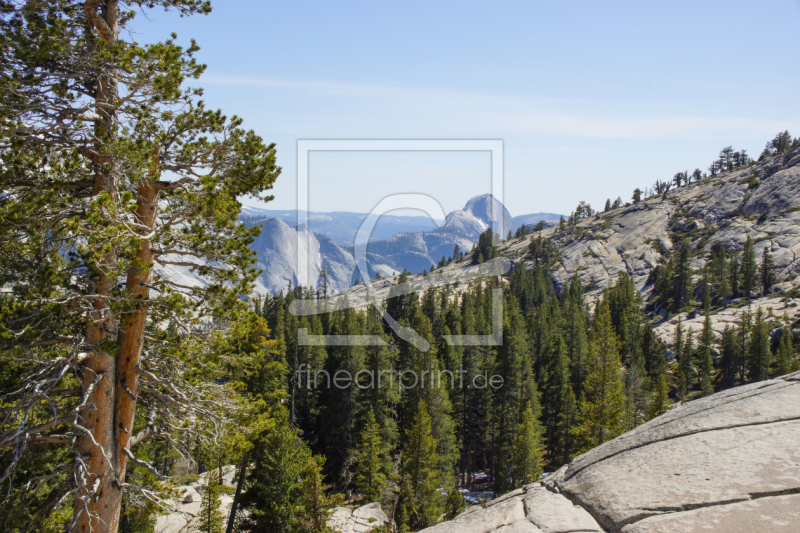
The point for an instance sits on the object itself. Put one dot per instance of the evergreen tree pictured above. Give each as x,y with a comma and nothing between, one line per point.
743,339
720,281
341,401
371,464
729,357
420,478
564,444
107,149
601,413
528,450
749,268
382,398
659,400
705,288
209,518
279,497
511,365
766,272
455,505
682,284
679,349
431,390
316,504
686,369
759,355
576,337
654,353
707,340
785,350
733,275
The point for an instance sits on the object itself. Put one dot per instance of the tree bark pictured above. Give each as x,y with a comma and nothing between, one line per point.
107,417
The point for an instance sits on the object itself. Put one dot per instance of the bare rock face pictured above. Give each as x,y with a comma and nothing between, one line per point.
728,463
715,464
185,508
365,518
760,201
532,509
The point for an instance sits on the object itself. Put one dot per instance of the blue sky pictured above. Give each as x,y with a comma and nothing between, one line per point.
591,99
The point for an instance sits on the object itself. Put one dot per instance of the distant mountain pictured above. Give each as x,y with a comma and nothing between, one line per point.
398,242
413,243
341,226
491,212
535,218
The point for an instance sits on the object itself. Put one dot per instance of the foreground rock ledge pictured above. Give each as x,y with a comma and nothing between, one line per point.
728,463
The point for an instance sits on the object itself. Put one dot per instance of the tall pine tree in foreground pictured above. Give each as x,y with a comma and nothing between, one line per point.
528,450
420,479
601,411
371,463
112,170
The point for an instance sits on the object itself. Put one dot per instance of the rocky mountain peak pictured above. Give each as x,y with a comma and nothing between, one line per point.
491,212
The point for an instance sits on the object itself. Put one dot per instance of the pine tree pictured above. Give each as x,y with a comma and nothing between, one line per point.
455,505
685,367
371,478
706,368
733,275
766,272
743,344
601,411
512,366
719,273
420,479
566,421
707,340
785,350
209,518
315,503
679,349
682,284
759,355
749,268
341,403
528,450
728,347
277,483
107,145
432,391
659,401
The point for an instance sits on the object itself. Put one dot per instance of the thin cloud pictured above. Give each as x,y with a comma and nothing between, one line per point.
513,113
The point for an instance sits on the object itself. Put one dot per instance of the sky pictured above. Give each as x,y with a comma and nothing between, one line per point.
591,99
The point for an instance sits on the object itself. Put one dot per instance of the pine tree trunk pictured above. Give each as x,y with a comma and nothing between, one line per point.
111,407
